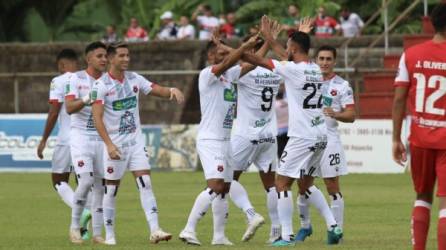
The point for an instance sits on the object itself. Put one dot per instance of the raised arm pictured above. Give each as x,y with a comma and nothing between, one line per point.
277,48
234,56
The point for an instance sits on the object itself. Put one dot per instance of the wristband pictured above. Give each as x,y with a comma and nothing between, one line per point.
171,93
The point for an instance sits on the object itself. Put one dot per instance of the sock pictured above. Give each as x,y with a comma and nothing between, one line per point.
442,230
271,203
337,208
86,180
201,206
109,204
285,209
304,211
240,198
89,199
148,202
97,215
317,199
420,224
220,215
65,192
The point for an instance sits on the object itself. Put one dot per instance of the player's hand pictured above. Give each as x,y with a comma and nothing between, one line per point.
40,149
329,112
399,153
306,24
276,28
177,95
265,26
251,42
113,152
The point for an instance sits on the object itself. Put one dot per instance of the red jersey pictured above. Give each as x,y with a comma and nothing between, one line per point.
422,69
325,27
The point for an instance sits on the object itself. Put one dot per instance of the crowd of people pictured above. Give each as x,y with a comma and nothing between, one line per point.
203,21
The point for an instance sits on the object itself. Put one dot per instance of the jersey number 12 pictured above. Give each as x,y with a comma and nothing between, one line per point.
426,103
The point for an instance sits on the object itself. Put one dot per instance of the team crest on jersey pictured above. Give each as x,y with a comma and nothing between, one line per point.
110,170
333,92
135,89
220,168
80,163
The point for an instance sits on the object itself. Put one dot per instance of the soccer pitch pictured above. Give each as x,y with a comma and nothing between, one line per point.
377,216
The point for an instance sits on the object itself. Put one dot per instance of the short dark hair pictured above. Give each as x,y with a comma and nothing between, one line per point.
438,17
326,48
211,45
94,45
111,49
302,39
259,42
207,7
68,54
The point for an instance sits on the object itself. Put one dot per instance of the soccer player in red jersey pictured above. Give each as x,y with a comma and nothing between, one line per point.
421,83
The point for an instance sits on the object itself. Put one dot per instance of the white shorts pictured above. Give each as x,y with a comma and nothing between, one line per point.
262,152
301,157
133,157
213,155
61,162
87,154
333,161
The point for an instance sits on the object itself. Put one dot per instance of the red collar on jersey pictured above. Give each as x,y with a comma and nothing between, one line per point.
114,78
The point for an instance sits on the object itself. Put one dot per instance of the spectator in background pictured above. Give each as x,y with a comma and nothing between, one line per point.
351,23
291,22
136,33
326,26
186,31
169,29
206,21
110,35
231,29
221,19
253,30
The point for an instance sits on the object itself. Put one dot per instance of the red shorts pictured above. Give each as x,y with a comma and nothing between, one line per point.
427,165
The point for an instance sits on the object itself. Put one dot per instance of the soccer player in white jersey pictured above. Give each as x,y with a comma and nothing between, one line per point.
338,104
85,144
217,103
307,130
116,115
253,138
67,62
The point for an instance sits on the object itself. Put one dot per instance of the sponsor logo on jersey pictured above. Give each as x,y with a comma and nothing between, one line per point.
229,118
94,95
230,95
125,104
260,123
327,101
67,88
317,121
127,123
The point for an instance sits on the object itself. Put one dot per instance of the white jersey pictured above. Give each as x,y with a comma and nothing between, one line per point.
303,82
79,86
217,103
207,25
57,95
338,95
256,94
121,107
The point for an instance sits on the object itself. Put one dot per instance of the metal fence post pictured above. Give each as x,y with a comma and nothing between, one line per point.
16,95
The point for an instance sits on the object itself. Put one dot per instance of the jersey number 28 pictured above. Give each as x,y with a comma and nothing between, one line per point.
426,103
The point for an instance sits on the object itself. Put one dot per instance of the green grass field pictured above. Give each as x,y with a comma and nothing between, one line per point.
377,215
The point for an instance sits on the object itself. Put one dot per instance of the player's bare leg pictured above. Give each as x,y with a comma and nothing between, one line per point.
240,198
148,203
337,200
268,180
199,209
310,194
220,217
285,210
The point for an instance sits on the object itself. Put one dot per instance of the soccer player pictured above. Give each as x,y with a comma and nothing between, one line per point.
338,106
253,138
85,143
307,130
116,116
217,102
421,83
